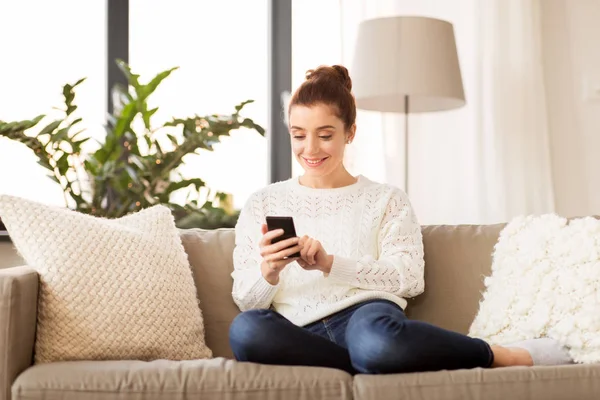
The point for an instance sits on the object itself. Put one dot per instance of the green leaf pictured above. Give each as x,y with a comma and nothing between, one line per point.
242,104
76,121
71,109
147,115
91,167
44,163
37,119
79,132
69,95
173,186
63,164
173,140
78,199
132,78
50,128
125,119
77,145
148,141
79,82
61,135
146,90
159,151
101,156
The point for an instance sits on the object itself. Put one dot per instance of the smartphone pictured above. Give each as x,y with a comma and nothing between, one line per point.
285,223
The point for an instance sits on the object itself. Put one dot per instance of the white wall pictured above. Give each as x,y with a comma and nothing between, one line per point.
572,66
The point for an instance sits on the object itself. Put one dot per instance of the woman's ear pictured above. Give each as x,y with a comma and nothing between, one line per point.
350,134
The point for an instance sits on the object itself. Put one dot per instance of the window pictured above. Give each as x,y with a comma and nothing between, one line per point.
62,41
221,48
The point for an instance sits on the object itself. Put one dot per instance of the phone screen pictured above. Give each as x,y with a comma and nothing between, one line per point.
285,223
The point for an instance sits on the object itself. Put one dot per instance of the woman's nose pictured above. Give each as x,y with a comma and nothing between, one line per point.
312,146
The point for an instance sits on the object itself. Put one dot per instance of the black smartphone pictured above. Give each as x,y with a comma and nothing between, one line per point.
285,223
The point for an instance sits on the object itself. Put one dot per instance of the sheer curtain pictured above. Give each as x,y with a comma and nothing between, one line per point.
486,162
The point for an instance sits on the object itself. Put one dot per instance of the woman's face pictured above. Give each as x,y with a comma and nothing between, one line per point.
318,138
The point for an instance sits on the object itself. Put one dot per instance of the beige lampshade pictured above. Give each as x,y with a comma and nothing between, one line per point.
406,56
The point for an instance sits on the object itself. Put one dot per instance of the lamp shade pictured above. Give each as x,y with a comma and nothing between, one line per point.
402,56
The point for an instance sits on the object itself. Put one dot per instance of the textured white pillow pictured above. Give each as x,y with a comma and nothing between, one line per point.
545,282
110,289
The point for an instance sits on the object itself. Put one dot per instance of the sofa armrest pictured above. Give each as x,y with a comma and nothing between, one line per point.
18,313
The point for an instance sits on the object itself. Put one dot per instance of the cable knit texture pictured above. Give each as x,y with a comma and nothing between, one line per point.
368,227
109,289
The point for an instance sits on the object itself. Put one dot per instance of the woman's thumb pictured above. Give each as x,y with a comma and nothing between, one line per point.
263,228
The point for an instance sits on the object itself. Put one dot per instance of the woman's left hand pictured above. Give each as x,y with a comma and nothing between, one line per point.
313,256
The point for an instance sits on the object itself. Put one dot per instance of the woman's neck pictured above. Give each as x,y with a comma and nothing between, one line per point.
337,179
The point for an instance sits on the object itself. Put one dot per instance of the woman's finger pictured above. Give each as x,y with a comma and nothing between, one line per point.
280,255
303,239
289,251
312,251
270,235
277,247
305,248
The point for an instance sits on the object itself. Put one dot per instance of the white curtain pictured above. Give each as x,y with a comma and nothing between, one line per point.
486,162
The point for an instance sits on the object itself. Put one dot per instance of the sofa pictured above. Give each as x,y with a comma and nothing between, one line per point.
457,258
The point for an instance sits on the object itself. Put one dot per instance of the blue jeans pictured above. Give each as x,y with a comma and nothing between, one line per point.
374,337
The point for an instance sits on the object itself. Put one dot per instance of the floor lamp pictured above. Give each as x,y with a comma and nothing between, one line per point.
406,64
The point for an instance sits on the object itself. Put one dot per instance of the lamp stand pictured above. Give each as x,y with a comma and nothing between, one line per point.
406,135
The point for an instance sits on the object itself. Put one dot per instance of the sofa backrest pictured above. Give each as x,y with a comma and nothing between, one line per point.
457,258
210,253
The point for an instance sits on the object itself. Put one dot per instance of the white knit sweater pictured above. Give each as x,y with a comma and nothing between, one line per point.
368,227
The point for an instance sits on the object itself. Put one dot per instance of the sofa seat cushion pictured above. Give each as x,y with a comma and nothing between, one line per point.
216,378
581,382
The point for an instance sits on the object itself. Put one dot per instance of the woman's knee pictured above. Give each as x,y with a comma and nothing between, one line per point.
249,331
376,342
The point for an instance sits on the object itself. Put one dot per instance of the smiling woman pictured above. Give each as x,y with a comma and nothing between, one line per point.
335,296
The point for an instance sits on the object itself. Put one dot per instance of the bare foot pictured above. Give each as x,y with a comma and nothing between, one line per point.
510,356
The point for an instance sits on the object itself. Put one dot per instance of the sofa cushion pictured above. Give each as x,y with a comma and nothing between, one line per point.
109,288
457,258
210,253
200,379
581,382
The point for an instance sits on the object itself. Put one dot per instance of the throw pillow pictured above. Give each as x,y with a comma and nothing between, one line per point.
545,282
110,289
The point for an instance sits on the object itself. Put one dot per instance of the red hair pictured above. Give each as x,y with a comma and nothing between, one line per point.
330,86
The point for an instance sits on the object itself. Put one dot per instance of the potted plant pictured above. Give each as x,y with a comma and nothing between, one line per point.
130,169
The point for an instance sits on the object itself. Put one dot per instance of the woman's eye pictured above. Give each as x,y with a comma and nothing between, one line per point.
298,137
326,137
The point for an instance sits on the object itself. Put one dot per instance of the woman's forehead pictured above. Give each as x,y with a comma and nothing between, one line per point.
300,114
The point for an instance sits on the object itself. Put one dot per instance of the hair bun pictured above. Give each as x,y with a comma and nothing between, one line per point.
337,73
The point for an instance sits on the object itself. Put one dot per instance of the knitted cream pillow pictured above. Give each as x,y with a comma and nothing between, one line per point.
110,289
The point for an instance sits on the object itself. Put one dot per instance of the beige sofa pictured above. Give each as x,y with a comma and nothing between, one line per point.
457,258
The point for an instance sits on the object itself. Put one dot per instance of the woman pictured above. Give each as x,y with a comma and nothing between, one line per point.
341,303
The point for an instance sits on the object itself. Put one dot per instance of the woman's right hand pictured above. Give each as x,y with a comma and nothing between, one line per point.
273,255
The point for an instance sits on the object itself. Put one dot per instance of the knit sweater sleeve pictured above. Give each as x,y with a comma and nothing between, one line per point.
399,269
250,289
